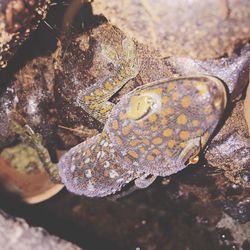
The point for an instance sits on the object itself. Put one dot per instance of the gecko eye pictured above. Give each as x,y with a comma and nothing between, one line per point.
193,160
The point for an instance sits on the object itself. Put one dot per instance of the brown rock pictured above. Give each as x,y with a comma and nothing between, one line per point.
229,149
197,29
18,18
247,107
17,234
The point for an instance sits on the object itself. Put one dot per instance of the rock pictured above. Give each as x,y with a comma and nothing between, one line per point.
22,173
30,95
229,149
18,18
198,29
17,234
198,208
233,70
247,107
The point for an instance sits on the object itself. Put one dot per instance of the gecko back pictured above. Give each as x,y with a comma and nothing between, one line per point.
90,168
159,127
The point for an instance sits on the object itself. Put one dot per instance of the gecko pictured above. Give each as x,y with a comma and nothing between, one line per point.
155,130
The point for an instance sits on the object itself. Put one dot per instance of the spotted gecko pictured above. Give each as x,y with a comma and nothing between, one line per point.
155,130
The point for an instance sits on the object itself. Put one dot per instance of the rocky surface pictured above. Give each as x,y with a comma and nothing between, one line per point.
17,234
206,206
197,29
247,108
18,18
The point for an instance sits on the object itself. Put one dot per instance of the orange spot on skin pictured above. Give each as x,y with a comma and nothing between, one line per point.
171,143
154,128
167,132
93,106
108,86
142,149
150,157
115,125
98,92
126,130
157,141
118,140
164,121
105,109
156,152
167,111
185,102
171,86
146,141
165,99
182,119
133,154
134,143
88,98
175,96
184,135
152,118
195,123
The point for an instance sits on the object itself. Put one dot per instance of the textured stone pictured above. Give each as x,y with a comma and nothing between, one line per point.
17,234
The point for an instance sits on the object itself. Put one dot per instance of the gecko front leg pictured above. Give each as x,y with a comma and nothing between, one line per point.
33,139
95,99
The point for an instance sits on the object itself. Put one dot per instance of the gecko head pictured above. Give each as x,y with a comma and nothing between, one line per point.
203,106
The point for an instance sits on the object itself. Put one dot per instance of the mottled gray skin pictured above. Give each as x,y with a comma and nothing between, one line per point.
90,168
155,130
182,117
103,164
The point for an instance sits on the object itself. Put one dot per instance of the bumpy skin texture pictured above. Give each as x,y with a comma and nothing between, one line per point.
181,117
154,130
17,19
95,99
90,168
